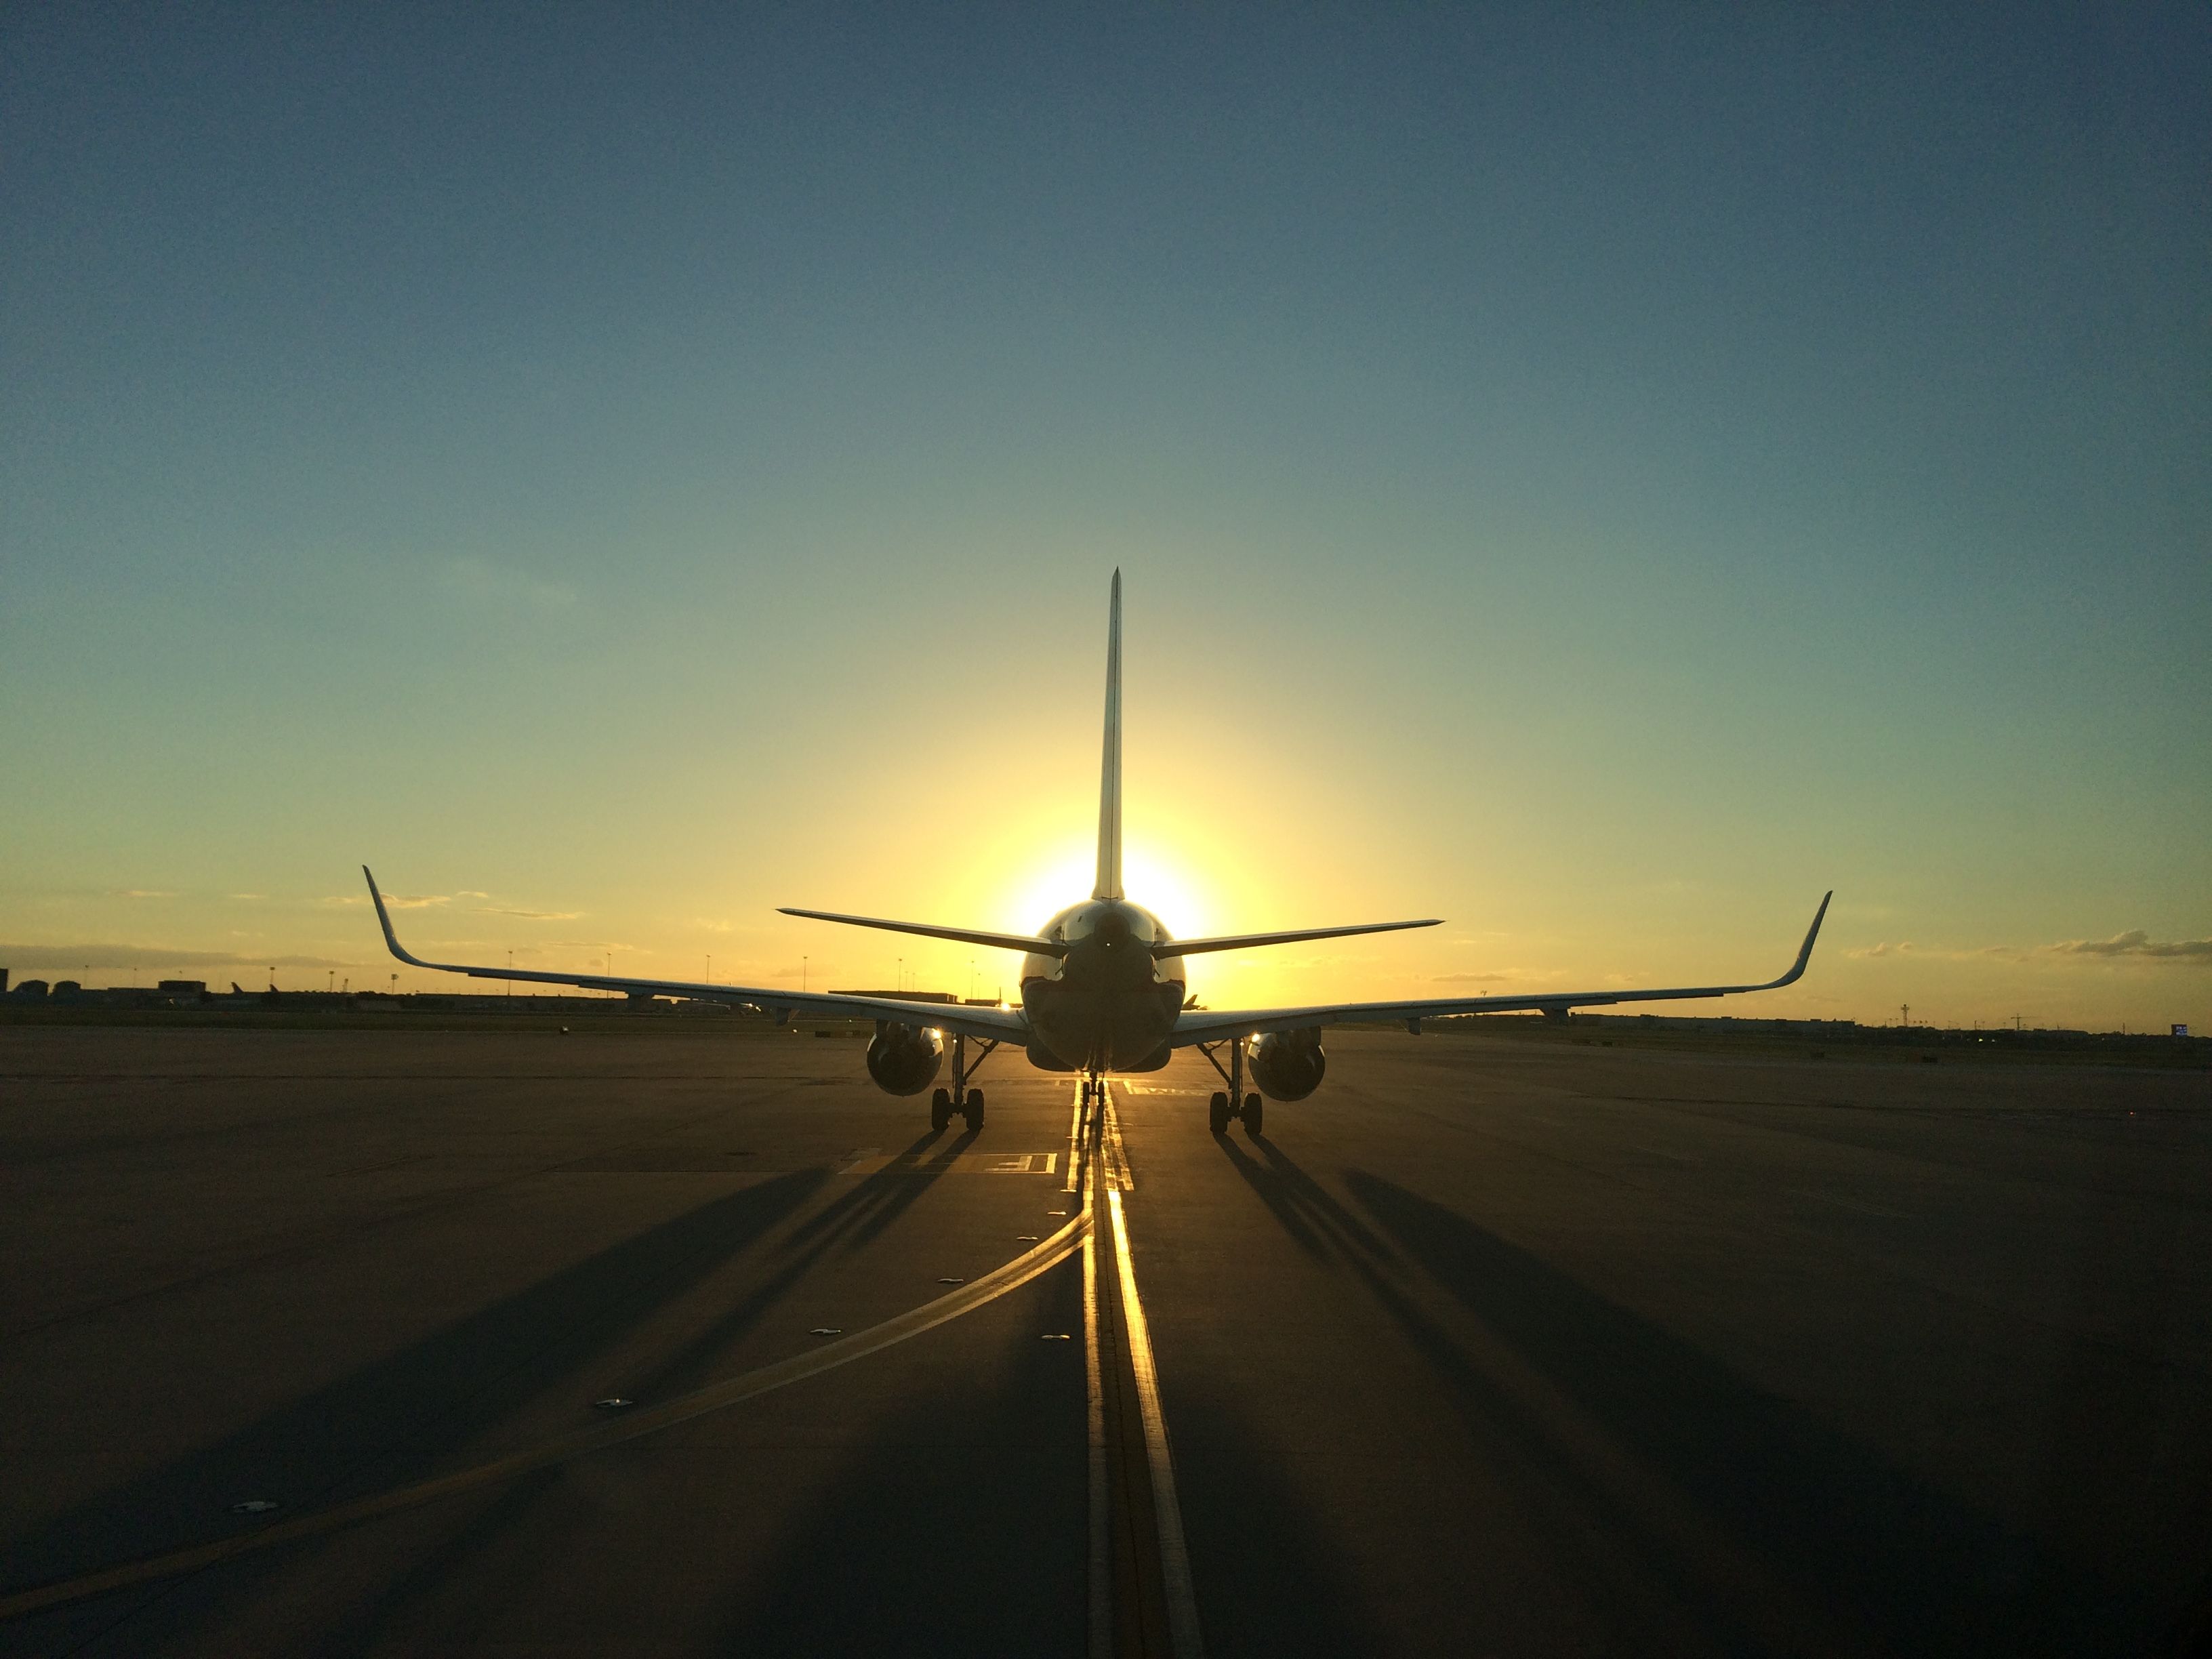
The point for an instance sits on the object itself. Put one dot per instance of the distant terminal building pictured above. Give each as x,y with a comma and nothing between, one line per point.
945,997
3,982
182,987
29,990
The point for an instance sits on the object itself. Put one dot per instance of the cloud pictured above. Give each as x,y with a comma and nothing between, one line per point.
2135,943
72,958
530,915
710,924
248,897
505,586
142,893
1469,979
394,901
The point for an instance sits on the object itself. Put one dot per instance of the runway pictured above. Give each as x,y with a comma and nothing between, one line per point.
1490,1346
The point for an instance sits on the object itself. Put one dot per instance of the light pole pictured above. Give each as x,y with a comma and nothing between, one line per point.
802,976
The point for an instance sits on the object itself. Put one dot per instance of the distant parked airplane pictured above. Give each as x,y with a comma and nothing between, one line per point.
1102,989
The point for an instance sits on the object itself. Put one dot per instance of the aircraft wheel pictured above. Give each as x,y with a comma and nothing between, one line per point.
973,1111
1254,1106
940,1110
1217,1113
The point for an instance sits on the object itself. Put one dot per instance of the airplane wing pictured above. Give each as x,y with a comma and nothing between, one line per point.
991,1024
1210,1025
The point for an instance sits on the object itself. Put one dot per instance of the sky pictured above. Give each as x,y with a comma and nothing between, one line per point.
1604,479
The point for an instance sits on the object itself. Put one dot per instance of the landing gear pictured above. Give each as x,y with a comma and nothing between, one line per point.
1232,1104
960,1098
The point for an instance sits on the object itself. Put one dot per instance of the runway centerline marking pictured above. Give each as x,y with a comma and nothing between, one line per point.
633,1426
1167,1513
1098,1563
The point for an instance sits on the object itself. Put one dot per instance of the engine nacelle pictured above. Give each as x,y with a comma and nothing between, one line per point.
1287,1065
903,1059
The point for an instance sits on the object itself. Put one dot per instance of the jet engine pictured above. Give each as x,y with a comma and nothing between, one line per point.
903,1059
1288,1065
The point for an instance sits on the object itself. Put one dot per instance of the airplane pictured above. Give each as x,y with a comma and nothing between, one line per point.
1104,988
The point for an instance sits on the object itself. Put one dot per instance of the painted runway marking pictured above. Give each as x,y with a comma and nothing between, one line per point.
634,1425
1174,1558
960,1164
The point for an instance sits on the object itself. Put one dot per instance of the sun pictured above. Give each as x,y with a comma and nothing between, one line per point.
1151,877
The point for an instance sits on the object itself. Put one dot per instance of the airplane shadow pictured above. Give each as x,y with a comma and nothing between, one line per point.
953,1521
1312,1215
854,1219
879,1199
956,1525
1873,1548
399,1417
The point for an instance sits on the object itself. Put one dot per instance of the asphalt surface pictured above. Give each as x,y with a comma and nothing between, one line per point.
1492,1346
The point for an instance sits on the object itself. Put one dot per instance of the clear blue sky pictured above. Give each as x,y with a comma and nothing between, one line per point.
1603,480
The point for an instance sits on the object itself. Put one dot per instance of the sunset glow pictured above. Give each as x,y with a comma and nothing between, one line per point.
1610,534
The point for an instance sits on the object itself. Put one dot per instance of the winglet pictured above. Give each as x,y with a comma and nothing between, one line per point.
385,917
1110,767
1804,951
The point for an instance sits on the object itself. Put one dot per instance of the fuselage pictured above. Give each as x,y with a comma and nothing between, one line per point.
1109,1004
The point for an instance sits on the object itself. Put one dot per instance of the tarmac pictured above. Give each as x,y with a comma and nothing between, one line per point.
1490,1346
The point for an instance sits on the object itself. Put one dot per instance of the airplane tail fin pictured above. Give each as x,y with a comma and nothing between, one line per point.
1110,779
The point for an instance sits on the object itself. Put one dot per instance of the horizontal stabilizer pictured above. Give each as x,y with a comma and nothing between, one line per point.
1191,947
1042,947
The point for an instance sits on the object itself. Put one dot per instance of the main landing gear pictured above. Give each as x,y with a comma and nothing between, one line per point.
960,1098
1223,1107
